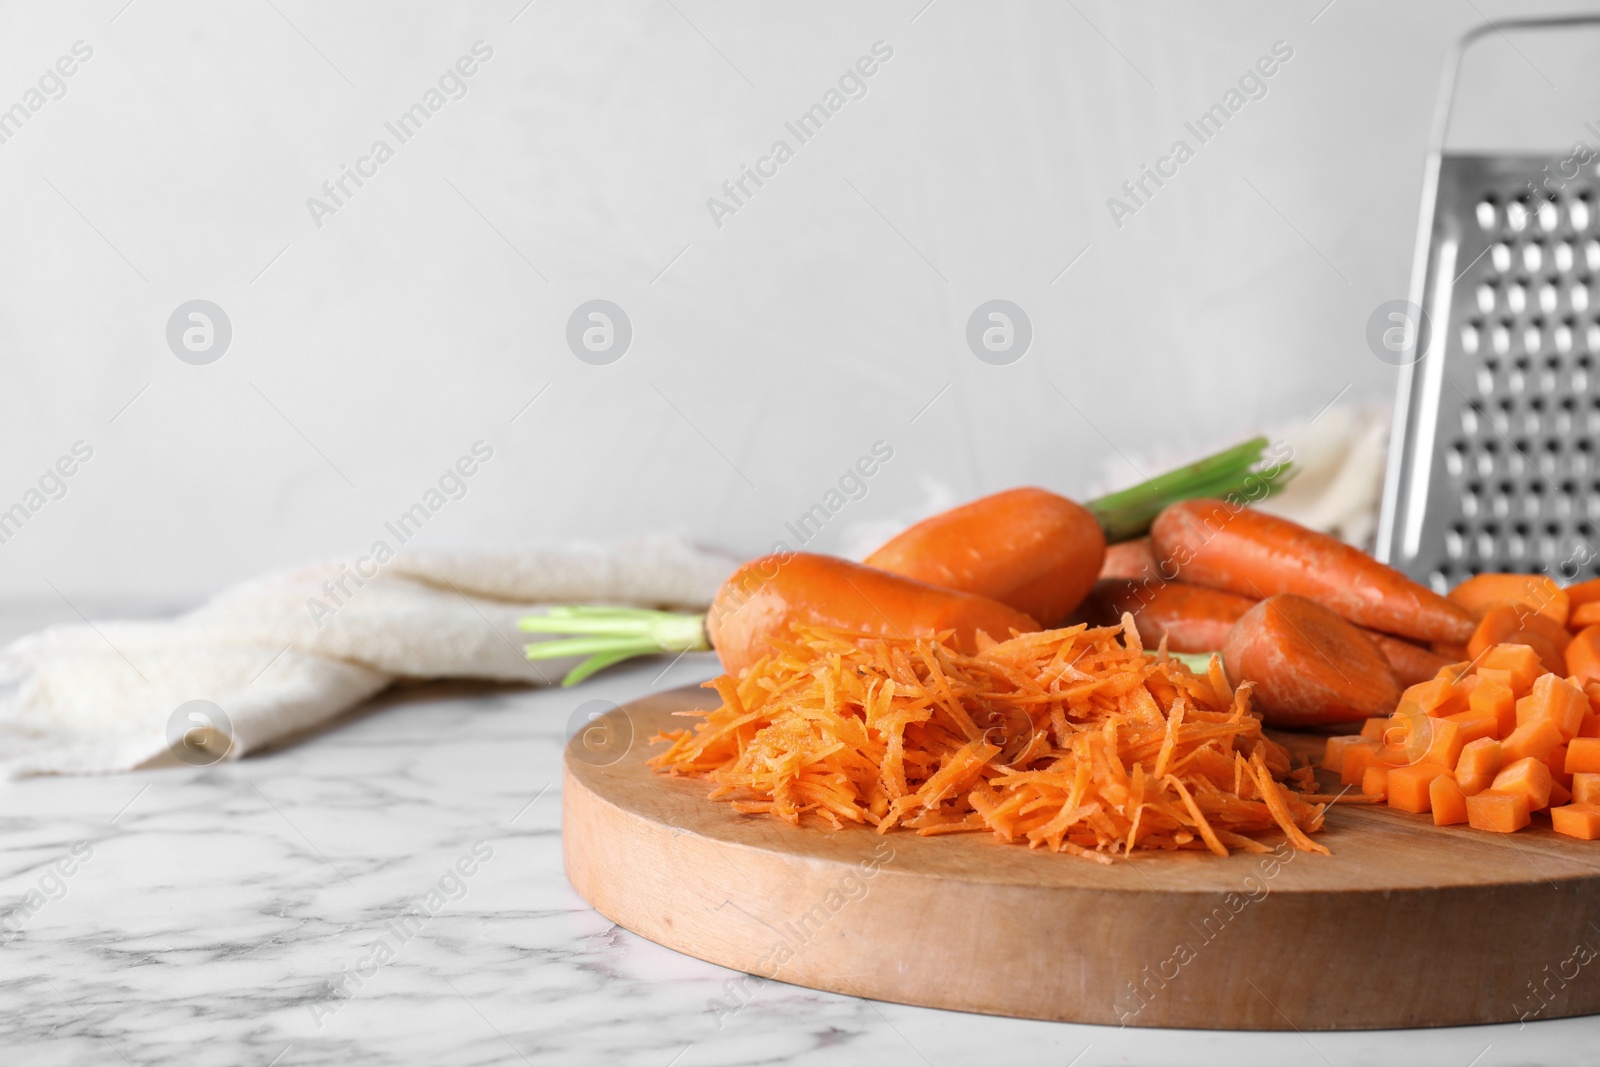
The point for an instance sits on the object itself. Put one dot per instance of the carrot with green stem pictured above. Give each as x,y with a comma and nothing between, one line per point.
1042,553
1007,561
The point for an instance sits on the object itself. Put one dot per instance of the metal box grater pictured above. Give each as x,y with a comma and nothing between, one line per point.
1493,459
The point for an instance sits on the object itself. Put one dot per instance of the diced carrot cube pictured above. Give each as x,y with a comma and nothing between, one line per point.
1447,802
1494,674
1408,786
1480,723
1557,700
1584,615
1333,755
1358,756
1494,698
1373,729
1526,593
1521,661
1502,813
1375,782
1583,655
1559,795
1434,695
1583,756
1586,788
1582,593
1479,763
1528,776
1443,739
1577,820
1535,738
1591,725
1556,760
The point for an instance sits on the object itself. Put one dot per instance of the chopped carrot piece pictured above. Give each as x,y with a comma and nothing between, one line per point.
1375,782
1559,795
1502,813
1577,820
1447,802
1431,695
1333,754
1556,760
1373,729
1580,594
1357,758
1478,724
1527,776
1586,787
1520,661
1558,700
1584,615
1479,763
1583,655
1536,592
1583,756
1535,738
1591,725
1408,786
1494,697
1435,741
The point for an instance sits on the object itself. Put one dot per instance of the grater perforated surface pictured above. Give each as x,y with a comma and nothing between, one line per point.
1507,392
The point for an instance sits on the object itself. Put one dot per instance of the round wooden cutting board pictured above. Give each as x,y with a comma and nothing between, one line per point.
1406,924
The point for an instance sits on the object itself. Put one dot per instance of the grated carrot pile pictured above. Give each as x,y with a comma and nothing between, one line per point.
1069,739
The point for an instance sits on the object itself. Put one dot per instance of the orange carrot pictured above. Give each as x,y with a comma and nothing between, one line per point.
1410,663
1583,655
1130,559
1585,614
1309,665
1536,592
1516,624
763,598
1446,801
1586,788
1583,756
1188,617
1527,776
760,601
1500,812
1029,548
1409,786
1254,554
1075,740
1478,764
1577,820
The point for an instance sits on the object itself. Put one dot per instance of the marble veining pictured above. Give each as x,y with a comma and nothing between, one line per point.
231,915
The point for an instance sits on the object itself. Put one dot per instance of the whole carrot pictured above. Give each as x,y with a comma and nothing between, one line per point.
1254,554
759,602
761,599
1309,665
1411,663
1040,552
1029,548
1130,559
1191,618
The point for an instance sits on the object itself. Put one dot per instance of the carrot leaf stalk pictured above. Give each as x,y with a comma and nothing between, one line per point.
609,635
1128,513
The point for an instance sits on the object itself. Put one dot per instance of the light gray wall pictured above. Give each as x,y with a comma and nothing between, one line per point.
768,353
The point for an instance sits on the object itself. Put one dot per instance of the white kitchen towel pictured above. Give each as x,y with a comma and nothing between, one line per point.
285,652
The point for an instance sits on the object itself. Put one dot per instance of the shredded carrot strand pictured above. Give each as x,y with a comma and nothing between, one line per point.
1076,739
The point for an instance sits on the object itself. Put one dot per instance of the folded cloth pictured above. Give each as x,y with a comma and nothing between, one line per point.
288,651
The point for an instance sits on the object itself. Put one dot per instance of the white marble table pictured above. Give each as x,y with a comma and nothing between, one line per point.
210,912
